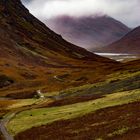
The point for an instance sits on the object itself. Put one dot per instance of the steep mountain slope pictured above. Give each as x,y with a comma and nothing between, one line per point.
90,31
34,57
128,44
23,29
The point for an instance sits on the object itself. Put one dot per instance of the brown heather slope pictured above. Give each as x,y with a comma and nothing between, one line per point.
128,44
34,57
113,123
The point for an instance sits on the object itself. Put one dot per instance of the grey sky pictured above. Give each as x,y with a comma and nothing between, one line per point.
127,11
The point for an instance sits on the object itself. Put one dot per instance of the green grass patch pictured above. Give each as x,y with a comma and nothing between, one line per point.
22,102
37,117
112,85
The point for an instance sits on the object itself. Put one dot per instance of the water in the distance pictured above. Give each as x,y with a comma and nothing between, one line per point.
112,54
119,56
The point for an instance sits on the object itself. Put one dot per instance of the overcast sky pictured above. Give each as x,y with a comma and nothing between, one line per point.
127,11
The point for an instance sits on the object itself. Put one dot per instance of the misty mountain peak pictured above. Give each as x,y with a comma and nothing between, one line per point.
95,30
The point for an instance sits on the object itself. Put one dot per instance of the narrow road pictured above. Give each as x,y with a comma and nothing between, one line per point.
57,78
4,121
3,129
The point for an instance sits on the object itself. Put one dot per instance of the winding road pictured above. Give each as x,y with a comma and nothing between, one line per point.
5,120
3,129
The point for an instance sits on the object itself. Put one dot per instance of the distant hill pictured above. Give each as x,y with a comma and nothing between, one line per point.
89,32
130,44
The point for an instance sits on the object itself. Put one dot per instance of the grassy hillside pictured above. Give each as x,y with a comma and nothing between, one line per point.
119,91
48,115
113,123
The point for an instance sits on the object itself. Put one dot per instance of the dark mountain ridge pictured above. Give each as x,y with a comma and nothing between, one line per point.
17,21
33,57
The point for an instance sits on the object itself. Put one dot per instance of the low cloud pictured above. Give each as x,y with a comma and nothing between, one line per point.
126,11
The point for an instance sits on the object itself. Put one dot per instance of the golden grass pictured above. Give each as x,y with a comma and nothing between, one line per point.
22,103
42,116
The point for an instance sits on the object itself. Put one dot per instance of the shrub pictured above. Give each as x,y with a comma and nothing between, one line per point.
5,81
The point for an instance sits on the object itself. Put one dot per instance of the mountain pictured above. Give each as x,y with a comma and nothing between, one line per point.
47,83
33,57
88,31
130,44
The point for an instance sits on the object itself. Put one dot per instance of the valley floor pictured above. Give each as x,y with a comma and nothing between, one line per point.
113,123
122,57
106,110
